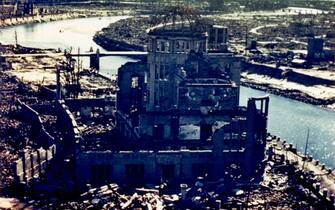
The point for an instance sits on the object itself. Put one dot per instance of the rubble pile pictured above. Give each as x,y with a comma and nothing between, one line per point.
128,34
14,135
280,188
312,25
98,136
18,49
159,197
97,129
97,84
26,50
110,197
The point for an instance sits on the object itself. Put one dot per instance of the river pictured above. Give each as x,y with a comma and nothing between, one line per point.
288,119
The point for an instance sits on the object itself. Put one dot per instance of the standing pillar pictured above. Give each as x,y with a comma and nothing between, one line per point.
250,141
39,162
24,166
58,92
95,60
32,165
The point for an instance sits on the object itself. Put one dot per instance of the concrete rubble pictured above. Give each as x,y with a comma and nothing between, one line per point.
110,197
281,188
133,30
14,134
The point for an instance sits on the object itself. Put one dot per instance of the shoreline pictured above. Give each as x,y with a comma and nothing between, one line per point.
64,15
9,22
128,34
290,94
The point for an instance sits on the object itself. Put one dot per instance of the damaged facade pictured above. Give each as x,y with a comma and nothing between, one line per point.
178,115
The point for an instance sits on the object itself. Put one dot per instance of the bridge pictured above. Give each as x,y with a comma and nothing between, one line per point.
94,56
114,53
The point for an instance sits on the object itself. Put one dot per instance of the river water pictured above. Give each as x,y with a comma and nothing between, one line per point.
288,119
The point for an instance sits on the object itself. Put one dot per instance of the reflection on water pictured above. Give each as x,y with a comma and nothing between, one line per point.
291,119
287,118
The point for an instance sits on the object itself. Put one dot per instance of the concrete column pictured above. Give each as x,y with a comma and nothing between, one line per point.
53,151
46,157
32,165
24,167
59,94
95,60
249,146
39,162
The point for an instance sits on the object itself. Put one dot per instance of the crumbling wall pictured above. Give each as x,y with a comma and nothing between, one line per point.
33,164
264,70
85,106
183,165
128,95
125,126
68,125
42,137
293,76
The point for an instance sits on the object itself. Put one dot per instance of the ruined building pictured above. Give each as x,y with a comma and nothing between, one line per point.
10,8
178,114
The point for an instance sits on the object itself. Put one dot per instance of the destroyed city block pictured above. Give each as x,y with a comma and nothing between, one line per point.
167,131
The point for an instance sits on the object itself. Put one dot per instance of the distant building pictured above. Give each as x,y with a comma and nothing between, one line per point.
315,48
10,8
179,115
6,11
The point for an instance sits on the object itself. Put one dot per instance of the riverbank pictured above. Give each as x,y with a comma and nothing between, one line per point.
311,86
128,34
64,14
40,19
288,93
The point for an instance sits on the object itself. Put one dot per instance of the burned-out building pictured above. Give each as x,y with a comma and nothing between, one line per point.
178,114
315,48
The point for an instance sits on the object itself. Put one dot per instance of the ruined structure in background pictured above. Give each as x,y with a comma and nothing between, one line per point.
179,114
10,8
